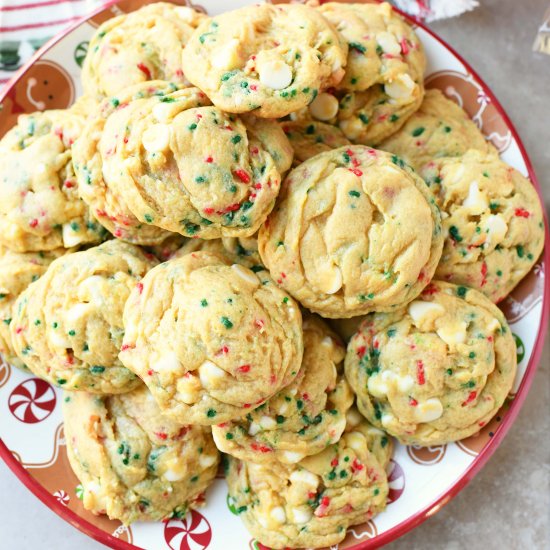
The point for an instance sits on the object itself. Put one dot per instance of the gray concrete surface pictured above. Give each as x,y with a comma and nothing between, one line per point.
507,506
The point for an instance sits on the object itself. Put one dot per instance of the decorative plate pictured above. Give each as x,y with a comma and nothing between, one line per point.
422,480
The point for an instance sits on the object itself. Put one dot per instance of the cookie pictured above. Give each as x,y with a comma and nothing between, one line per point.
492,221
194,170
17,271
440,128
355,230
383,81
139,46
311,504
40,207
67,326
94,183
271,60
303,418
211,340
135,464
309,138
436,370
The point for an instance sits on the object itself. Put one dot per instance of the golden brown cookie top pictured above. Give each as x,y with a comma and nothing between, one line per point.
354,230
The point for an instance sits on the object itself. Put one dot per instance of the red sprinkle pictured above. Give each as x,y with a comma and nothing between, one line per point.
361,350
223,350
254,150
246,406
260,448
124,347
334,462
150,372
209,159
140,287
259,323
471,396
68,184
356,466
521,213
161,435
208,210
404,46
356,171
483,273
325,501
430,290
18,330
117,232
420,372
145,70
242,175
244,368
33,223
253,87
413,402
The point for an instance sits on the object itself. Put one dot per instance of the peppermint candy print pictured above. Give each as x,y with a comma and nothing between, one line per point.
193,532
32,401
396,481
62,497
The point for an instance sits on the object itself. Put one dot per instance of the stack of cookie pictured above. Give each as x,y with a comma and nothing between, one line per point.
228,164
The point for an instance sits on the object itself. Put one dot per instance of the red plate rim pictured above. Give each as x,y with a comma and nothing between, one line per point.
479,461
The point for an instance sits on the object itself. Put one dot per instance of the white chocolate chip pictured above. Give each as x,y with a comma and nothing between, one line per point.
324,107
267,423
331,280
246,275
353,418
58,339
493,325
254,428
171,475
164,112
77,312
278,515
70,237
275,74
336,65
168,363
283,408
292,457
356,441
496,228
387,419
41,168
210,374
421,311
227,57
301,515
429,410
401,87
476,201
388,43
189,389
352,127
156,138
263,522
205,461
304,477
453,334
327,342
338,427
405,383
377,384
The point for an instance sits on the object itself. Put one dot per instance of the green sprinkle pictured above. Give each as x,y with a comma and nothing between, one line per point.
192,126
115,102
167,99
67,399
299,404
486,174
343,474
376,492
354,193
363,118
96,369
211,413
461,291
310,129
200,179
394,118
449,372
472,354
7,321
331,475
72,332
391,332
499,272
418,131
520,251
191,228
353,80
305,90
37,322
55,325
148,218
241,509
358,47
280,419
379,50
455,234
226,322
236,139
285,300
399,162
194,479
204,302
228,436
74,226
447,129
244,84
61,381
